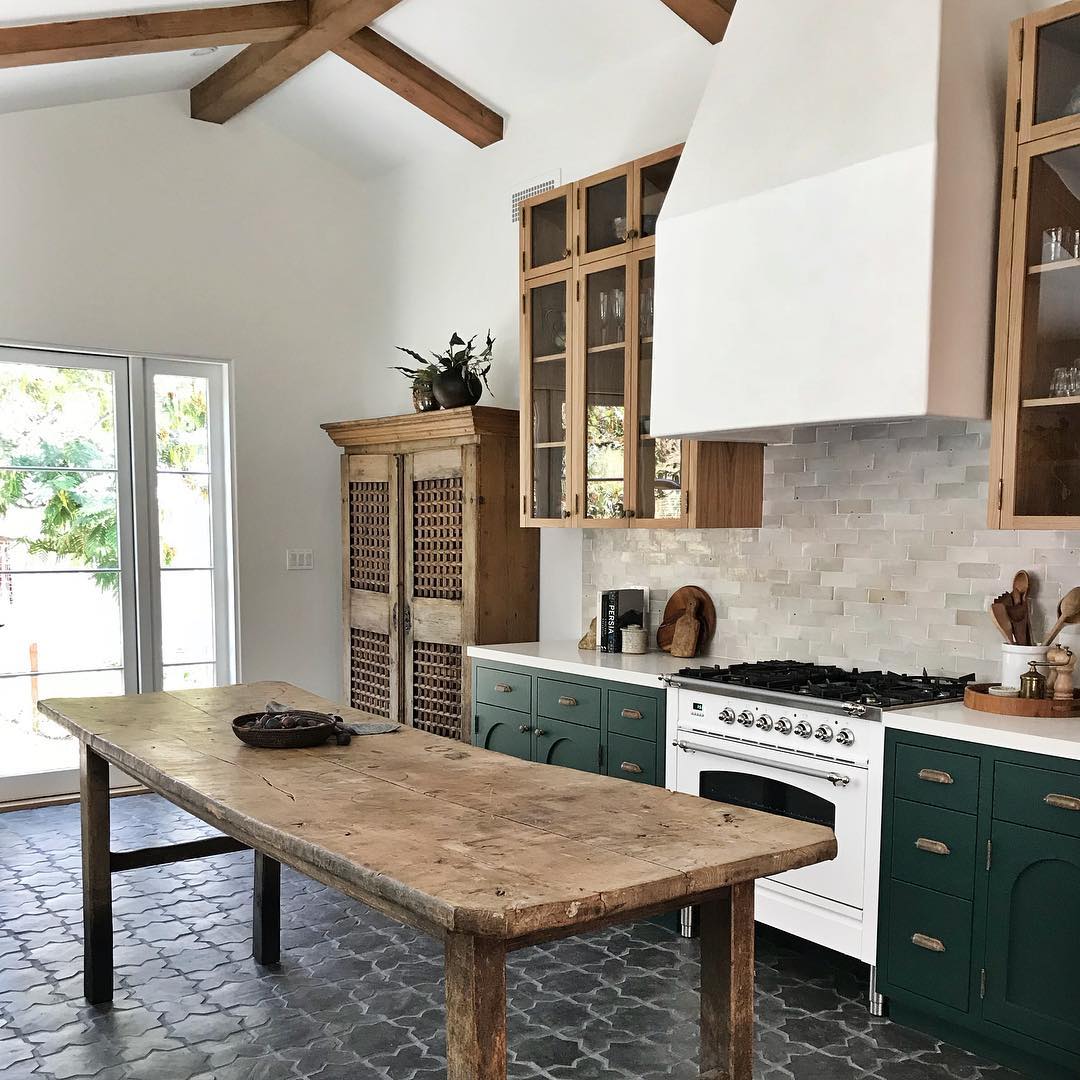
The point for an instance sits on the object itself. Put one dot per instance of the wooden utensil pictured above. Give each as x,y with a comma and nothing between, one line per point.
1069,612
1020,611
1001,620
676,605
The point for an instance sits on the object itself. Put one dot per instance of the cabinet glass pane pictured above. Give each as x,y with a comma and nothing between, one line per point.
605,393
655,183
659,472
548,351
548,242
1048,444
605,214
1057,66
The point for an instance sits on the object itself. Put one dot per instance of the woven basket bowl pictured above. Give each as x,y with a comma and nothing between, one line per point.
279,738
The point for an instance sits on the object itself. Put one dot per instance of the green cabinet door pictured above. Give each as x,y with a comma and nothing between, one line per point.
503,730
1033,941
560,743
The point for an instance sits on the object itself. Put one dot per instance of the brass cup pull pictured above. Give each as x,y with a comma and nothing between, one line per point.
524,729
931,944
568,701
935,776
502,688
630,766
935,847
1063,802
631,714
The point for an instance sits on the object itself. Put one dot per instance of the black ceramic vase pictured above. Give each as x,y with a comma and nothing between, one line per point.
456,388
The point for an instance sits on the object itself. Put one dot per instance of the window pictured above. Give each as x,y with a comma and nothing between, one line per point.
115,545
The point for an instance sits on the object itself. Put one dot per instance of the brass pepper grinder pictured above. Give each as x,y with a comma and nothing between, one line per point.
1033,683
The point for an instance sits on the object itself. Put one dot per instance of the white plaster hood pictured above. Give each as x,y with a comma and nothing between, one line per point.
827,249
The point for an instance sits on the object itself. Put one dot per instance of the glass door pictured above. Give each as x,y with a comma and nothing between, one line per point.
604,207
652,180
1050,73
546,332
604,320
547,224
657,474
67,624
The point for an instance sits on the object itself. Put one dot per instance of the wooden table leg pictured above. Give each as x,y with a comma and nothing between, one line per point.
475,1008
727,985
96,877
266,910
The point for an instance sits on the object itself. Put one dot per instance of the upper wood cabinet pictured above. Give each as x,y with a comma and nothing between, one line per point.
589,458
1035,459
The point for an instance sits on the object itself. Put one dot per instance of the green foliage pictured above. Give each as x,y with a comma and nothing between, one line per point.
459,356
179,415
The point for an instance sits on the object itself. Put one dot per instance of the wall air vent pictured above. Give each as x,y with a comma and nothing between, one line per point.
532,187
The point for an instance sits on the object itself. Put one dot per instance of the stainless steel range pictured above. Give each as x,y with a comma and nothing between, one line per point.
805,741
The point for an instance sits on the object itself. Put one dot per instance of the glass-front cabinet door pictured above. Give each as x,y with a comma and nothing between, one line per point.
604,210
547,327
547,229
1042,433
1050,87
657,471
652,181
604,325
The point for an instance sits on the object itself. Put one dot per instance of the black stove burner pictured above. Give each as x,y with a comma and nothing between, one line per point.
883,689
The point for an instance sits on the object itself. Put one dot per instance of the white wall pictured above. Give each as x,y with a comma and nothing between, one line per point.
445,249
129,226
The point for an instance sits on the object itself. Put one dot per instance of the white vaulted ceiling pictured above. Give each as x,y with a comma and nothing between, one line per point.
508,53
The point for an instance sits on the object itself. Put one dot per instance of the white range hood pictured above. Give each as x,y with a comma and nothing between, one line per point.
827,249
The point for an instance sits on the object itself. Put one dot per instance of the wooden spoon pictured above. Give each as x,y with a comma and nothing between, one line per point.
1069,610
1021,613
1001,620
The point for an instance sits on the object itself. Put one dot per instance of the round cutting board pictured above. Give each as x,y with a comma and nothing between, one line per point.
675,607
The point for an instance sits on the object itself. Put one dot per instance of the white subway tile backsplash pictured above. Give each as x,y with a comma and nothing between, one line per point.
875,552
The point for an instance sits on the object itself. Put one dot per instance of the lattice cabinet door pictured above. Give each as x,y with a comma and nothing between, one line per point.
372,575
440,554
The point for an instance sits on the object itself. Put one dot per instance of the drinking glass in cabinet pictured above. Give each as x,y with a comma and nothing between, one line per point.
1060,242
605,214
1057,81
547,372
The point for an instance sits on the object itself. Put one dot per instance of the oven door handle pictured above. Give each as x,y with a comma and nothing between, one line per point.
836,779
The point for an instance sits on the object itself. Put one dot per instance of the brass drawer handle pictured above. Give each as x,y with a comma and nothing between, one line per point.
1063,802
568,701
935,776
935,847
502,688
632,714
629,766
924,941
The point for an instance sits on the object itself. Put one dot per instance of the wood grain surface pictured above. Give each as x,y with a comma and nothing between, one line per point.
443,836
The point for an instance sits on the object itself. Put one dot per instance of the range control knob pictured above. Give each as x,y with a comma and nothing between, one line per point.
783,726
824,733
746,719
728,716
764,722
803,730
845,737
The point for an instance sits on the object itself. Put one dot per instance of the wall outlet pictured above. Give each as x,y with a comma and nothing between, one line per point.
299,559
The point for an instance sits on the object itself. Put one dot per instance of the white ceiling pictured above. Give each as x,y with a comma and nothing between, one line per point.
508,53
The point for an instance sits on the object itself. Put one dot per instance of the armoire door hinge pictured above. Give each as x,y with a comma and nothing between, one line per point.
1020,45
1018,114
577,290
1016,172
522,303
523,260
1001,492
982,984
989,853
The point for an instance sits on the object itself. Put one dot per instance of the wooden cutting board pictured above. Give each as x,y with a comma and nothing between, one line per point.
675,607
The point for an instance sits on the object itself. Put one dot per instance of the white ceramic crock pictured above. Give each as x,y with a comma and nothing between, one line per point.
1015,660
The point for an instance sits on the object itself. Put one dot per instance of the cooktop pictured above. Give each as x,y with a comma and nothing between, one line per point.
883,689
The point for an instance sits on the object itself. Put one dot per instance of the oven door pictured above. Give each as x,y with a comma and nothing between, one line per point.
796,786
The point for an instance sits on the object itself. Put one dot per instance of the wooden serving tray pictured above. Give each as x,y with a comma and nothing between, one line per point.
976,697
675,608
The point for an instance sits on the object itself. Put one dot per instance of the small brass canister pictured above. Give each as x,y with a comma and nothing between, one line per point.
1033,683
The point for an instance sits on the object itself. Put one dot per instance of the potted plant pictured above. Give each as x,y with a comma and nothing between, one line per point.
423,398
459,373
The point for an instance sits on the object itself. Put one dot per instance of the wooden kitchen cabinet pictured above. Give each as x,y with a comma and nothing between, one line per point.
977,939
434,559
1035,457
589,458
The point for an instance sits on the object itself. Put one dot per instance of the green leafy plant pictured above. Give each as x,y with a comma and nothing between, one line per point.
460,356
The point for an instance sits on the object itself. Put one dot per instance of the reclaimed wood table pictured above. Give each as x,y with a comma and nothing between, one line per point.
480,850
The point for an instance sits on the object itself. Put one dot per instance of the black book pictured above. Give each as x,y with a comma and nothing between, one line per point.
618,608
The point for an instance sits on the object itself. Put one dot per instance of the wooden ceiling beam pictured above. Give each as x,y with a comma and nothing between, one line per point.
419,85
261,68
157,31
708,17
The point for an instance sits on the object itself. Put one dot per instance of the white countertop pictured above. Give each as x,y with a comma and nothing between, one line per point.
1036,735
565,656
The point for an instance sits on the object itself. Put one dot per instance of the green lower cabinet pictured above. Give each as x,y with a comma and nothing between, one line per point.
630,758
503,730
979,929
571,745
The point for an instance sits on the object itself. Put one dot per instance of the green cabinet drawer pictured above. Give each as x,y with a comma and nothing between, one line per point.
503,730
1041,798
575,702
937,777
934,847
630,758
929,944
632,714
571,745
507,689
